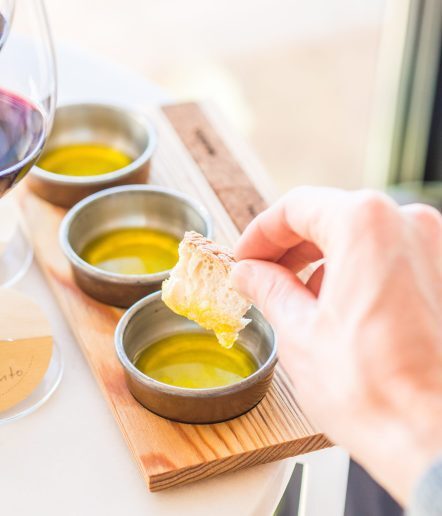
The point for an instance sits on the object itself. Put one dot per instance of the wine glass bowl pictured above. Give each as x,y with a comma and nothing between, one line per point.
27,100
21,138
27,87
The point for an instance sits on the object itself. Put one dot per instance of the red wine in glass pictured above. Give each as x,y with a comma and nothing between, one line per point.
22,135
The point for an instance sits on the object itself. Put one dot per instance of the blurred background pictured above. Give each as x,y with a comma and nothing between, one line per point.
295,78
337,92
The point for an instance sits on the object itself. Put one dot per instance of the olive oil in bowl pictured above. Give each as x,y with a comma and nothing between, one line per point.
136,250
195,361
83,159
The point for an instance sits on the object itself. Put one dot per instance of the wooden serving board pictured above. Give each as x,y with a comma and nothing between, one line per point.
192,157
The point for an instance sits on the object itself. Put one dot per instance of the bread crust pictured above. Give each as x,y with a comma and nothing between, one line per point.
209,249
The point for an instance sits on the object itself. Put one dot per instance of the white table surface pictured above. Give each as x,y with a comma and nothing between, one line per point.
69,457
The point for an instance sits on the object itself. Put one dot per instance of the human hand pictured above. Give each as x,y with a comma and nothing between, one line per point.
362,341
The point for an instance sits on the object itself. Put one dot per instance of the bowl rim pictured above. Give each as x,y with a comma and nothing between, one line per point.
114,175
114,277
211,392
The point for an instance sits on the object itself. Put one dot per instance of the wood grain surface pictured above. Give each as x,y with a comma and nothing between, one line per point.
167,452
232,186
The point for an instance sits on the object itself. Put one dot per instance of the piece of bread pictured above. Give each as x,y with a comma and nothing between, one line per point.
199,288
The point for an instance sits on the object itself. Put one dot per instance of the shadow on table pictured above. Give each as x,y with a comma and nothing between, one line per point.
290,501
365,497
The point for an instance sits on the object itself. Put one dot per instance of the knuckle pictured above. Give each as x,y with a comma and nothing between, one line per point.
372,210
427,216
371,201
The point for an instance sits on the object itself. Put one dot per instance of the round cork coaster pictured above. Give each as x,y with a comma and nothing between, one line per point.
25,347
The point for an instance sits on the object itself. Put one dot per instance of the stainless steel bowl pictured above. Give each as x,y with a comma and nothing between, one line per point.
150,320
121,207
120,128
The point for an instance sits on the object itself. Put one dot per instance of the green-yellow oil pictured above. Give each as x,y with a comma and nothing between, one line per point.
83,159
132,251
195,361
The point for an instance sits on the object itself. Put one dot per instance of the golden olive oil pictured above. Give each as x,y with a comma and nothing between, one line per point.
226,333
132,251
83,159
195,361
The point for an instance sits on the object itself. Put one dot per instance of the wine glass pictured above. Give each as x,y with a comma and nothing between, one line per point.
27,101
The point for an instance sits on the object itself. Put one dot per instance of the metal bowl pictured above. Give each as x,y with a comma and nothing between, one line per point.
150,320
117,127
121,207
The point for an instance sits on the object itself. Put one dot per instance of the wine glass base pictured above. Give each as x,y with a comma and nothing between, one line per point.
15,259
41,393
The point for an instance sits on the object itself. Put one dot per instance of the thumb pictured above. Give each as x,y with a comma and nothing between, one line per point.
274,290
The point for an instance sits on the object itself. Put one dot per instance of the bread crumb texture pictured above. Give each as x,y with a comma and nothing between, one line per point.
199,288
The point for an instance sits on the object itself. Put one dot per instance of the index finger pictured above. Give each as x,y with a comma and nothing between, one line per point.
305,213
